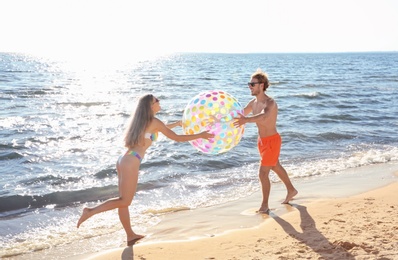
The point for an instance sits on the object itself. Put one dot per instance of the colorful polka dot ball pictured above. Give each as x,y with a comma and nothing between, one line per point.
213,111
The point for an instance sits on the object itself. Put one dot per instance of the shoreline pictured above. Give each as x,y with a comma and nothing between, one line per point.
197,232
340,228
332,234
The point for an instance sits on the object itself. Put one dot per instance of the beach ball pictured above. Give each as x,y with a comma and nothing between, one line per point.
213,111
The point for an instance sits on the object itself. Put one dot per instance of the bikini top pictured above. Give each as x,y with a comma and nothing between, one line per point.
152,136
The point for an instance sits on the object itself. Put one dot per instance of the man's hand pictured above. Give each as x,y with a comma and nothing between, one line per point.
239,121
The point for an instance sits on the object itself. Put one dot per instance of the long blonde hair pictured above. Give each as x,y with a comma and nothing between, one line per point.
139,121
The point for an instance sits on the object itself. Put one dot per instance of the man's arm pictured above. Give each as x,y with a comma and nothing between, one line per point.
256,118
248,108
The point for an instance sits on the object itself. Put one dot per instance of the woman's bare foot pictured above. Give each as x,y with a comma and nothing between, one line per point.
289,196
85,215
132,241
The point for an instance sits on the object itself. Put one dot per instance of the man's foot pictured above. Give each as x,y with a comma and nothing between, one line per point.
289,196
263,210
85,215
134,240
267,211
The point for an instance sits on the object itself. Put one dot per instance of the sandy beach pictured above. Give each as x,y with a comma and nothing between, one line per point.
361,226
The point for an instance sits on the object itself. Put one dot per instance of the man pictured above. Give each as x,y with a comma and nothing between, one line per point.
264,113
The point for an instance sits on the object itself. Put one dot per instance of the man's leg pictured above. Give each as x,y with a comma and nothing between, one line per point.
282,174
263,174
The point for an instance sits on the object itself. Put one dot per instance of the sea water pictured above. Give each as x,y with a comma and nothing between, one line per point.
62,123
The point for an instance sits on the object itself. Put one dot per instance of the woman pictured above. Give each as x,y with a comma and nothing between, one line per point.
140,134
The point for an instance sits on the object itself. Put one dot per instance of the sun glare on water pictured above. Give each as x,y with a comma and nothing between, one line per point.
97,71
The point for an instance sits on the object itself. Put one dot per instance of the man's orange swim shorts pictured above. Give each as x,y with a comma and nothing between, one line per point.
269,148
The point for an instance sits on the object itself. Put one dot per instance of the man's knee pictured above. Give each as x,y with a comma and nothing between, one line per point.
279,168
264,171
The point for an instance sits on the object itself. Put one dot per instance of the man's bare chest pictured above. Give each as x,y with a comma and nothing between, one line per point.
258,107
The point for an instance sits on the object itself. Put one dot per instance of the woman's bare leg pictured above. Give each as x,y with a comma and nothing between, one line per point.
127,184
128,178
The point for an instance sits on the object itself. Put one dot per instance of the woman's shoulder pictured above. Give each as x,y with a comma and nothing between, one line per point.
154,126
156,122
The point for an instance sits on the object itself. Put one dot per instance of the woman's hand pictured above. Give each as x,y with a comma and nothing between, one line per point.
206,135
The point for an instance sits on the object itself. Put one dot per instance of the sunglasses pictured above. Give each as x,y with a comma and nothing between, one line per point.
156,101
252,84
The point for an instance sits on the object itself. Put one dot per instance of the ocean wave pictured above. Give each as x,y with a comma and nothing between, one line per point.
16,71
23,92
10,156
105,173
331,136
346,106
50,180
359,156
294,136
340,117
70,198
85,104
311,95
58,199
278,82
207,78
45,140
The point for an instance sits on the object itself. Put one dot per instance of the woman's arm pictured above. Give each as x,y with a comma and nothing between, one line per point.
172,125
161,127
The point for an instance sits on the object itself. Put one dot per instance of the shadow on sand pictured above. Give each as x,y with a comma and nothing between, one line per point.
127,254
311,236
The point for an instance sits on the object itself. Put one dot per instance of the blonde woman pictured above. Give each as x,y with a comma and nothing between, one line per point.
141,132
